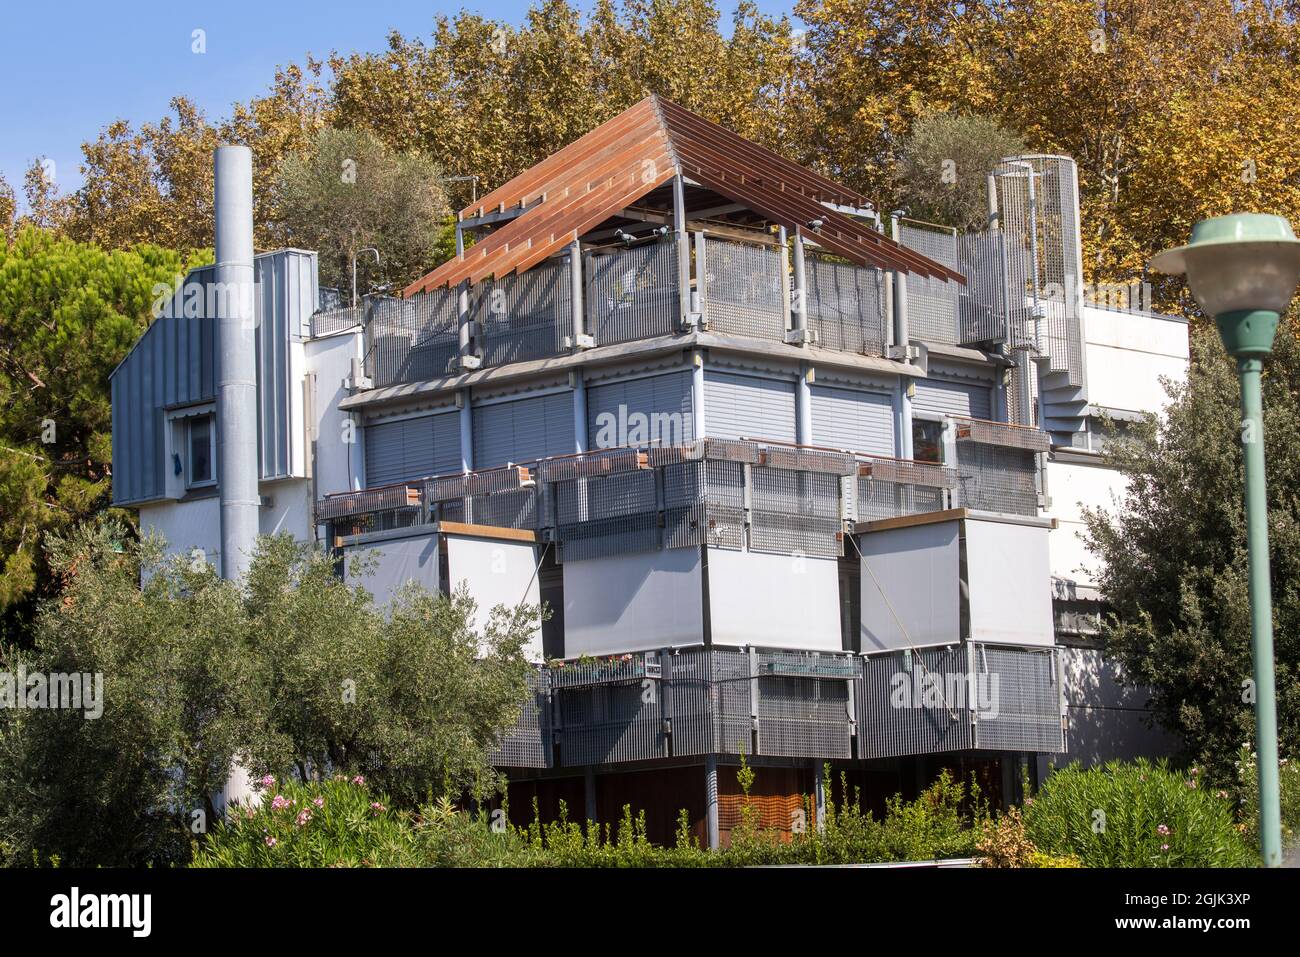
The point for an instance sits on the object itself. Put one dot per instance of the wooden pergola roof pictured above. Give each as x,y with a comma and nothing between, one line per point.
599,174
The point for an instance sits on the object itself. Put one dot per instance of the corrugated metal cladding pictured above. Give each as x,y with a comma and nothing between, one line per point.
410,449
737,405
853,419
653,397
523,430
173,364
953,398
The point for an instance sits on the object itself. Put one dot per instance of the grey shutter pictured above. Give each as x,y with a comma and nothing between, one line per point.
736,405
953,398
523,430
652,396
853,419
412,448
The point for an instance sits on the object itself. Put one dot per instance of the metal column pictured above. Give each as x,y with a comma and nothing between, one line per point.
711,800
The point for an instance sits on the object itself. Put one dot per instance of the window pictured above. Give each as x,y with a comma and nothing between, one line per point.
927,441
201,449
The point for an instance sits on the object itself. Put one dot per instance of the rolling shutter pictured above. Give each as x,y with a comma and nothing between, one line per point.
664,400
853,419
523,430
412,448
953,398
736,405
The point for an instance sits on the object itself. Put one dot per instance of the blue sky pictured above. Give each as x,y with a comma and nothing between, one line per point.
68,69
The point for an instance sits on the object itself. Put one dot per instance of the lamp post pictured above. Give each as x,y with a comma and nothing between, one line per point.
1243,270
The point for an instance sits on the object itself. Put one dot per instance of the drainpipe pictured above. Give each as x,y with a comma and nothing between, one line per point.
697,394
711,800
236,359
683,250
902,341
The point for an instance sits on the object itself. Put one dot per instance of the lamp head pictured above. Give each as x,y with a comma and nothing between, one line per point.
1243,271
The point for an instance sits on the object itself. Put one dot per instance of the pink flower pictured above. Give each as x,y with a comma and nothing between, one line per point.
1191,784
1223,794
377,807
279,802
1164,847
268,781
319,802
250,813
1163,830
359,781
271,842
303,817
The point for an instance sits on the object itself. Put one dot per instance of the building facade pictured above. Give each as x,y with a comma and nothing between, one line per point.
797,482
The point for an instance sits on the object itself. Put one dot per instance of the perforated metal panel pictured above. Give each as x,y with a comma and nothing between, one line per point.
745,290
517,509
982,301
795,512
610,515
601,724
997,478
410,449
749,406
932,304
632,293
853,419
1027,693
529,744
525,316
896,716
846,305
411,340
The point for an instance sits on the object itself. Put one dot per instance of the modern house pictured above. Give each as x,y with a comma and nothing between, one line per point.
798,481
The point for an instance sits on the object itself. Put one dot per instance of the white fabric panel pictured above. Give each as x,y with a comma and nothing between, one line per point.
953,398
391,564
751,406
523,430
853,419
496,572
782,601
409,449
916,568
636,602
1010,584
663,402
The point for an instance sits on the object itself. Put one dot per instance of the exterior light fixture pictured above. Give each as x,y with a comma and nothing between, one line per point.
1243,271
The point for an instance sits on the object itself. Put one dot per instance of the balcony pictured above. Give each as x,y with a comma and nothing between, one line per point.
737,287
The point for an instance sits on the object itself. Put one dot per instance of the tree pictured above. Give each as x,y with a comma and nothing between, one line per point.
293,673
8,210
1174,554
69,312
944,166
350,191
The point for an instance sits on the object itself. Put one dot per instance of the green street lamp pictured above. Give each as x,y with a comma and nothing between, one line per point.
1243,271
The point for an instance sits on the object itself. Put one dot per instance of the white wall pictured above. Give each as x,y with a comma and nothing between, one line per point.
1071,486
496,572
186,526
780,601
330,360
636,602
1127,353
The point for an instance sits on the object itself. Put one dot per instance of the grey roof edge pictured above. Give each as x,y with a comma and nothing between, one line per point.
639,349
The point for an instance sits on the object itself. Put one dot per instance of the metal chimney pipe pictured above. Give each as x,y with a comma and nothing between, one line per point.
236,360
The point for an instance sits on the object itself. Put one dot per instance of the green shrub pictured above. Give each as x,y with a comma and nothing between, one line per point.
1134,815
1288,778
336,823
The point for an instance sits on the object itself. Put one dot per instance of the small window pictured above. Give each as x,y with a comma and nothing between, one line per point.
927,441
202,450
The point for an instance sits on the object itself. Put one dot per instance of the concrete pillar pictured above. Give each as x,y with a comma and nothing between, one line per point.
799,300
803,405
466,432
580,437
697,395
683,248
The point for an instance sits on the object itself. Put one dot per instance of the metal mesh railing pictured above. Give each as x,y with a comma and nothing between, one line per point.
632,293
995,478
609,515
329,321
745,289
411,340
525,316
846,305
932,304
528,744
795,512
890,488
371,500
982,301
1023,687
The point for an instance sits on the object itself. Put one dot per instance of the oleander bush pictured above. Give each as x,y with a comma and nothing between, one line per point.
1135,815
1288,778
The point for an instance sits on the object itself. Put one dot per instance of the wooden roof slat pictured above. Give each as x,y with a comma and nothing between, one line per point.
601,172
